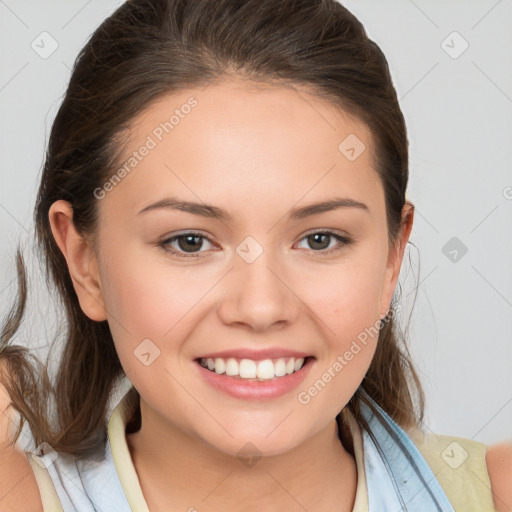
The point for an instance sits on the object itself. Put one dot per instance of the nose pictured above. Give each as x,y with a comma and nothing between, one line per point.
259,295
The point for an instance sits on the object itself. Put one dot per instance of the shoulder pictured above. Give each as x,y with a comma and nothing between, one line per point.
499,465
19,490
18,486
460,466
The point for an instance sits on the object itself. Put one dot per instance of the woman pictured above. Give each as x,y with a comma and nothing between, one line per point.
223,213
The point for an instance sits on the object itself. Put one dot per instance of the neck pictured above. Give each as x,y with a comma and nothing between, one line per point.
179,472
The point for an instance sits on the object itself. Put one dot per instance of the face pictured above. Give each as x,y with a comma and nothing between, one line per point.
254,280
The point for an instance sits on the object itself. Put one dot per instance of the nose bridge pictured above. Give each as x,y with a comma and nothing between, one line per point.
257,292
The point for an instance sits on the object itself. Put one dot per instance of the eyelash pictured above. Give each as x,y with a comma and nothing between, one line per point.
165,244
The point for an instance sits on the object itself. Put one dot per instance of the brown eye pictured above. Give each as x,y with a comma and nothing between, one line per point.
320,241
189,243
184,244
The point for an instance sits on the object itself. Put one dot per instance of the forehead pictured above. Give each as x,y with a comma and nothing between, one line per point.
236,140
294,112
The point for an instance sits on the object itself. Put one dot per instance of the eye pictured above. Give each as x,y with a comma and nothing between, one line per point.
321,240
187,243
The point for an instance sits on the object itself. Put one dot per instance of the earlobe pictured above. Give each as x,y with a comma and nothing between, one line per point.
80,258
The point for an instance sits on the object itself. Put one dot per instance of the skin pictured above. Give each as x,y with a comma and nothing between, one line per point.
256,152
499,465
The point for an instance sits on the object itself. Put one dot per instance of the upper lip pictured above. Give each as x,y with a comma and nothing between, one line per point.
256,355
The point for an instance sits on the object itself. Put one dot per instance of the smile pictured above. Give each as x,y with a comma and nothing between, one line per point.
265,369
250,379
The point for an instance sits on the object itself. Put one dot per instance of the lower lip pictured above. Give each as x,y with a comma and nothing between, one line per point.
255,390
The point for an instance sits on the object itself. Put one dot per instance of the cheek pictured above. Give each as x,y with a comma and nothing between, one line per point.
140,301
347,300
154,300
145,304
348,306
347,297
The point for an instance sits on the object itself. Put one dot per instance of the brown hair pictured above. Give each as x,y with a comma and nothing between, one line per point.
150,48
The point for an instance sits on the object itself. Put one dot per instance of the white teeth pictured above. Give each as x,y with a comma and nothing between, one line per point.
280,368
248,369
220,366
265,370
231,367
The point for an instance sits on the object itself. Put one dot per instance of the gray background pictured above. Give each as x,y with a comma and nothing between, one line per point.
458,107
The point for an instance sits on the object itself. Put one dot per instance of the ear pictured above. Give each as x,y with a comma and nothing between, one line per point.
81,260
395,256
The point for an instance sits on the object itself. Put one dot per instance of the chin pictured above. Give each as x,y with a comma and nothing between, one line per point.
253,447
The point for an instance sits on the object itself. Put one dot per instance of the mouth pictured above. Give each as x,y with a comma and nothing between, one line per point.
254,370
255,379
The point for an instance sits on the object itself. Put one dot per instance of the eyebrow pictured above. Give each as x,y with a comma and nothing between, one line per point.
210,211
